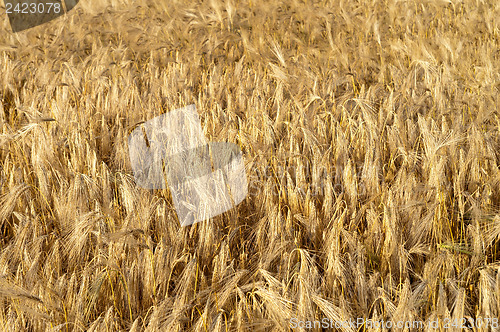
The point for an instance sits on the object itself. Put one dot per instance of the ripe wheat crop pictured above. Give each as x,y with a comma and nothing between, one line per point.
370,131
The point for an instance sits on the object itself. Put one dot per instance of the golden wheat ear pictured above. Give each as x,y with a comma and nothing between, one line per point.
34,116
46,119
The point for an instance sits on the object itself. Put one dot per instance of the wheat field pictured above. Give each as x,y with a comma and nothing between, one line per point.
371,137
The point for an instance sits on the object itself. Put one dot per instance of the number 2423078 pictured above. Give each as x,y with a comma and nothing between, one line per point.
33,8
